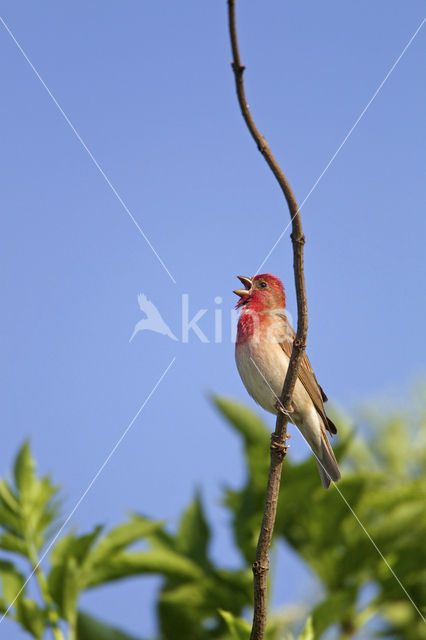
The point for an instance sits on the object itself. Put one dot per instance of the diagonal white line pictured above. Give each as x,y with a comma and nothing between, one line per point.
90,154
92,482
351,510
345,139
375,546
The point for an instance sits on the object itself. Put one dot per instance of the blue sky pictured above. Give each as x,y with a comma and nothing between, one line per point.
148,87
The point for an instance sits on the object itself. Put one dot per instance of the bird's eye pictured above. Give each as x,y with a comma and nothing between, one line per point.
263,285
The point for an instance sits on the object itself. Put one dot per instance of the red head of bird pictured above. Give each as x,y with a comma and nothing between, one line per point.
262,293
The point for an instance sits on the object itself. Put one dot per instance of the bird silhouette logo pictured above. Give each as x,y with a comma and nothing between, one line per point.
153,320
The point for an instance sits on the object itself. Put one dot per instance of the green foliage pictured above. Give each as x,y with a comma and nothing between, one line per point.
194,534
88,628
383,484
11,579
238,628
193,589
308,632
190,600
27,508
32,618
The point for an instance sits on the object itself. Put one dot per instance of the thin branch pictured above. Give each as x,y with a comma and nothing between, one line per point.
278,440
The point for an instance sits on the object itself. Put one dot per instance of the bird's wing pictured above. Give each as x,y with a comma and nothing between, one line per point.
148,307
309,381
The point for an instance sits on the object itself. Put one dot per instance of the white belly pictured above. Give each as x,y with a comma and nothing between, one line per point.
263,372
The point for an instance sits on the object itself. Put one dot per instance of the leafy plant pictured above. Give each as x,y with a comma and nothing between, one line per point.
193,591
383,482
380,498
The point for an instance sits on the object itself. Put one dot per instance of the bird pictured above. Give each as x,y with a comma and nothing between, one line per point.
153,320
262,353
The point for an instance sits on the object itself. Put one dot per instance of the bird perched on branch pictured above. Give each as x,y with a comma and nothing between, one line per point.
262,352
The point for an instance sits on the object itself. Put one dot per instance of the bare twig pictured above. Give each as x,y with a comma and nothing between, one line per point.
278,440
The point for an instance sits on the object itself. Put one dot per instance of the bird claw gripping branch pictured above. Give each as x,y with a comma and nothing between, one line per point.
279,407
277,445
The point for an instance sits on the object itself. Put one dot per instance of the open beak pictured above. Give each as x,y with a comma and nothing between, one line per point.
247,282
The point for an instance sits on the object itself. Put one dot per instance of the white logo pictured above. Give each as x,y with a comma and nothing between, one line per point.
212,321
153,320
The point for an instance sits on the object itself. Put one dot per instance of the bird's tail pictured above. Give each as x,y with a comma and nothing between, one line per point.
327,463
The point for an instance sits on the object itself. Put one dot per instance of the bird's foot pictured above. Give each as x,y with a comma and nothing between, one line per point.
277,445
280,408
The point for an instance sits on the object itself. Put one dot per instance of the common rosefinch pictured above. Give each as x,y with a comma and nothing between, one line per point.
262,352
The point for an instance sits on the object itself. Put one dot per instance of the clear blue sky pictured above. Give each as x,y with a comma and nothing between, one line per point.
149,88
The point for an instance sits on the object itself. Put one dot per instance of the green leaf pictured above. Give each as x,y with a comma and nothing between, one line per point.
193,535
123,536
240,629
125,564
243,420
31,617
231,589
308,630
28,511
11,581
182,608
247,505
68,573
15,544
335,608
8,498
9,509
9,521
24,470
70,590
89,628
44,509
74,546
